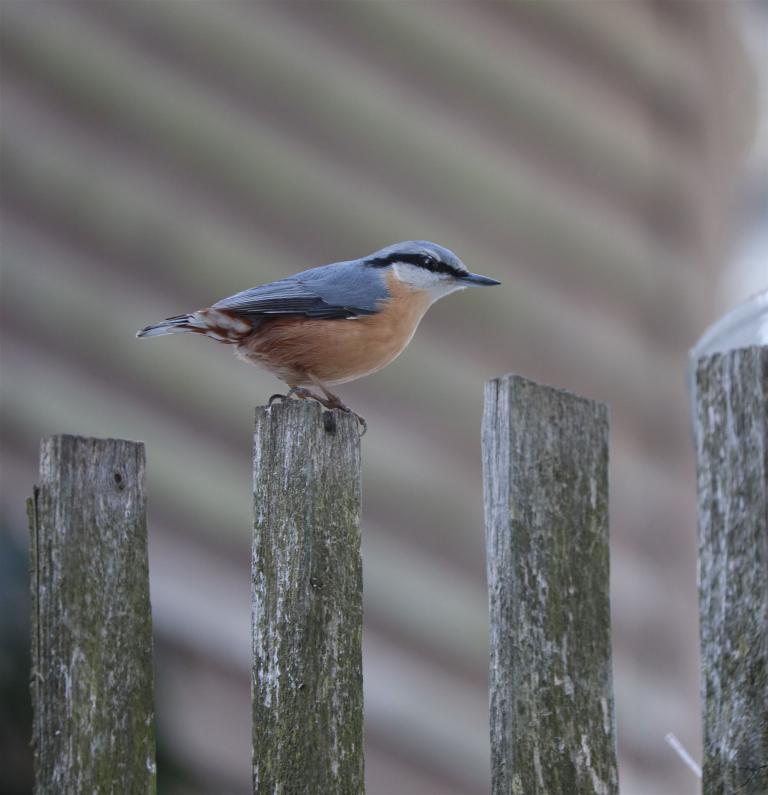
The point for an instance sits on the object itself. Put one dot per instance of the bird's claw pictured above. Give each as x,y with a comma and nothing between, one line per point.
347,410
337,404
361,422
277,396
294,390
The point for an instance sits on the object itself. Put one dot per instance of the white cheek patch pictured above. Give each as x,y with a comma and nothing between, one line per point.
413,276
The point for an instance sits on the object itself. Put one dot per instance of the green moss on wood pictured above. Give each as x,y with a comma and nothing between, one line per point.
732,455
545,458
92,685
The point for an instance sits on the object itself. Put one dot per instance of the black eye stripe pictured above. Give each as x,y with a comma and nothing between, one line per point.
419,260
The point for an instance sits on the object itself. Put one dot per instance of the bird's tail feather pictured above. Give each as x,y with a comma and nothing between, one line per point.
172,325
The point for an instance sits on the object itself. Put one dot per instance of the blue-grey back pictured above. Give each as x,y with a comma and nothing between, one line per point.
343,289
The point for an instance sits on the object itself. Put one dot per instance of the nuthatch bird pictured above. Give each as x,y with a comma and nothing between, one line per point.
332,324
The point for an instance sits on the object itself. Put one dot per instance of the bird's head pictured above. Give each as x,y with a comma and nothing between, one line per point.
426,266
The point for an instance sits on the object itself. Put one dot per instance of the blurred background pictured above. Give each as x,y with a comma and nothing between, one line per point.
606,160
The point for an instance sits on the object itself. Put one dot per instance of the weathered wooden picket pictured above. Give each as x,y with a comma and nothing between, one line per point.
545,460
307,573
732,454
92,684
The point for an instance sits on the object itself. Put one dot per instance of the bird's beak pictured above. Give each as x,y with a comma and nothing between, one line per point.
476,280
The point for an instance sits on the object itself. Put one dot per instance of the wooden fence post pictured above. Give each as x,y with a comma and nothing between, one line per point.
545,463
732,452
307,685
92,686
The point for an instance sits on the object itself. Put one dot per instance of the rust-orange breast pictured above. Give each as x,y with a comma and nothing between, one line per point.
339,350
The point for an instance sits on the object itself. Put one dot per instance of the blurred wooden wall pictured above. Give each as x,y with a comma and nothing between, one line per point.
158,156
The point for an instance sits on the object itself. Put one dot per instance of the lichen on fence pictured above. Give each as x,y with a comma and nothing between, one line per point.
92,685
545,461
307,683
732,453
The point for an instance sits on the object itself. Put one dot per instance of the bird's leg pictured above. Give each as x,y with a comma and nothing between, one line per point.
332,401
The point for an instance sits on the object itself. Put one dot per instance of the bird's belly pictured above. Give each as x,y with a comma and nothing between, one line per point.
333,351
352,353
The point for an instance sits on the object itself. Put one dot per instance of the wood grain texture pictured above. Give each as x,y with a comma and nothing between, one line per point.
92,681
307,684
732,453
545,462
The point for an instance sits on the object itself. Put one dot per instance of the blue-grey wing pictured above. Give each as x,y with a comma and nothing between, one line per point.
286,297
345,289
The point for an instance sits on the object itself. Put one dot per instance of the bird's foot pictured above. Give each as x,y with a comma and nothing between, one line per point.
330,401
277,396
298,391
